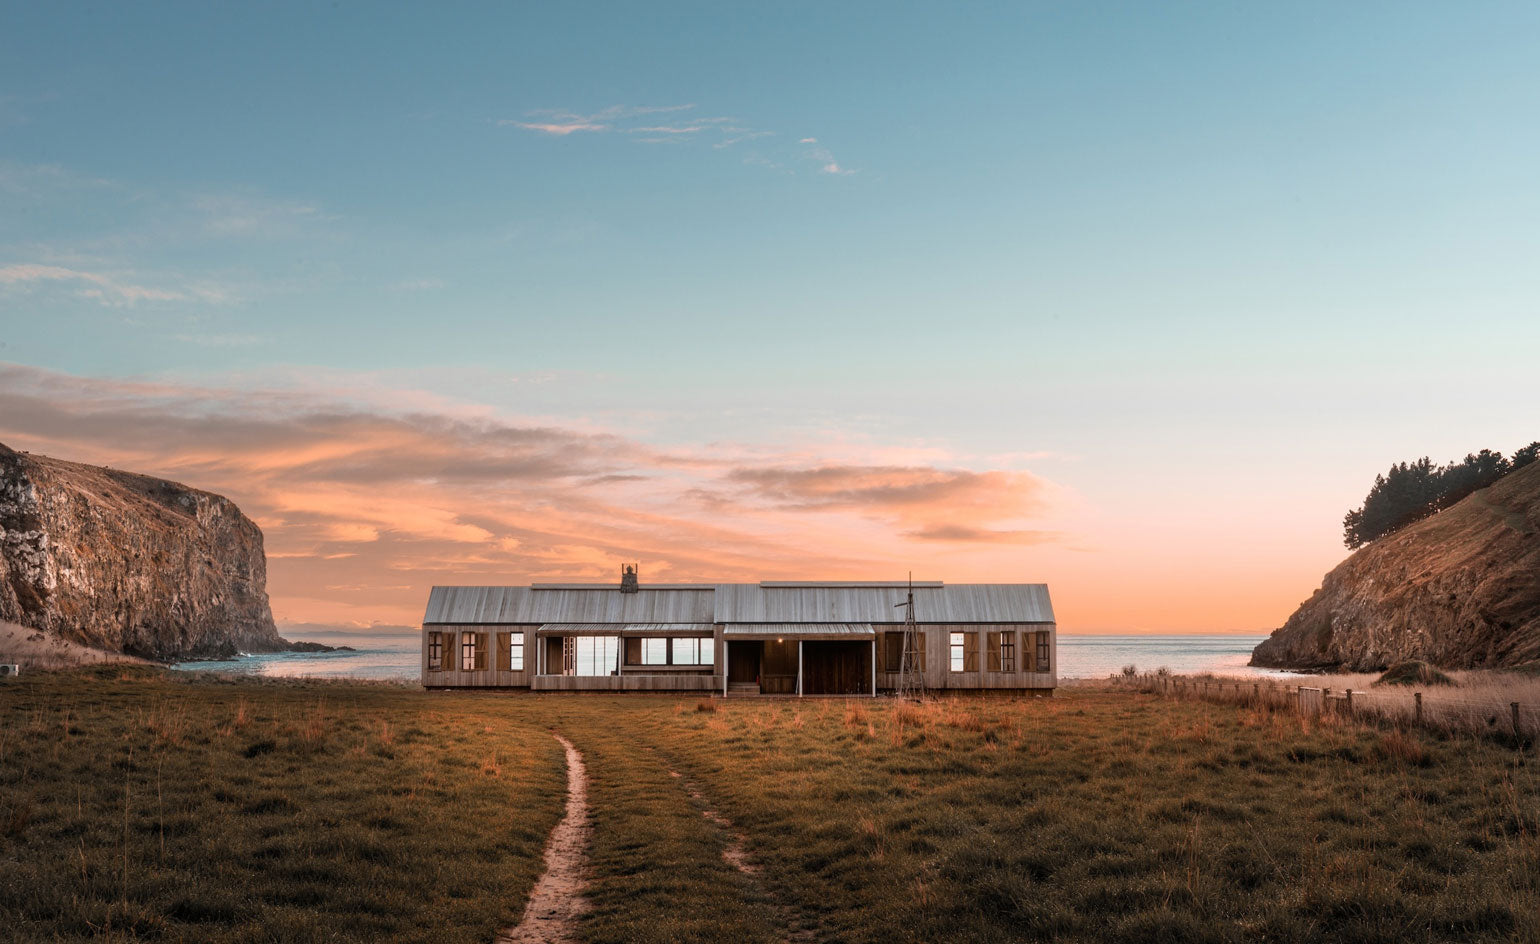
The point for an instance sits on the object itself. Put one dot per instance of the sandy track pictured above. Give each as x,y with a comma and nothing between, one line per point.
557,899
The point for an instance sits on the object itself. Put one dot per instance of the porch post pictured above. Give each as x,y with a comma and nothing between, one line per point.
874,666
724,666
799,668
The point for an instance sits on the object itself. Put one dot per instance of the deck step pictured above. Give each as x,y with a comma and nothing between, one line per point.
743,688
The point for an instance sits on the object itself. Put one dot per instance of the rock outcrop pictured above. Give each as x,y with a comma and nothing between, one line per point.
129,563
1459,590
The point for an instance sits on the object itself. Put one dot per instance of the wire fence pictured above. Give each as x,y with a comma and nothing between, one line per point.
1441,709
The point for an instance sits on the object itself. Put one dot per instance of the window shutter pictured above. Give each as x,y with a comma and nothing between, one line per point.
992,651
633,650
970,652
919,642
451,655
504,652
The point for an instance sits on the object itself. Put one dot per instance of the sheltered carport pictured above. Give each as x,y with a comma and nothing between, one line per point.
830,658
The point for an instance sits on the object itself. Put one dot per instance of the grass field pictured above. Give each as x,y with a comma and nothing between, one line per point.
134,804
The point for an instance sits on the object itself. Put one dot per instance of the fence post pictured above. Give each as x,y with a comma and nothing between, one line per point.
1350,702
1417,697
1514,707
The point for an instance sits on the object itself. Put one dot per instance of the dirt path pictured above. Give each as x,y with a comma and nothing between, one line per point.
557,899
735,854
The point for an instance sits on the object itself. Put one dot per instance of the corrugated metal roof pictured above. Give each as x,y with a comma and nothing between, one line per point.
742,603
795,630
953,603
630,629
526,605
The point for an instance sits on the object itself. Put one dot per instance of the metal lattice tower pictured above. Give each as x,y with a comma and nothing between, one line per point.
911,681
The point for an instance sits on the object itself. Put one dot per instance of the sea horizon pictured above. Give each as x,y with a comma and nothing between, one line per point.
396,657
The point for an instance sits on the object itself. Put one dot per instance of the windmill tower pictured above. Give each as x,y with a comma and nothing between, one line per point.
911,681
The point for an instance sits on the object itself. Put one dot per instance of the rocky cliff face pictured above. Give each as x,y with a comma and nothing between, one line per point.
129,563
1460,590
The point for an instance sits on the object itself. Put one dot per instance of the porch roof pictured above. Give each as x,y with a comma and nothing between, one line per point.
625,629
799,631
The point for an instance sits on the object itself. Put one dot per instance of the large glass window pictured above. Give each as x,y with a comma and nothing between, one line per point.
955,643
595,655
1042,652
436,652
693,651
516,652
655,651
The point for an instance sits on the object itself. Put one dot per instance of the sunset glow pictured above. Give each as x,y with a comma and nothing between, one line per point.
1135,304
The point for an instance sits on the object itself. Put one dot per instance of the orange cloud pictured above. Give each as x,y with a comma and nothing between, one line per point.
365,507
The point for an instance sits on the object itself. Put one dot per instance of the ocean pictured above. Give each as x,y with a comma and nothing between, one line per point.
396,658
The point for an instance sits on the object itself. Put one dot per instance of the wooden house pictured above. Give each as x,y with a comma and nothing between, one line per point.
785,638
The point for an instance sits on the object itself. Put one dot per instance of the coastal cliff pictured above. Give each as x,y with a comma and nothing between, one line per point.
1460,589
129,563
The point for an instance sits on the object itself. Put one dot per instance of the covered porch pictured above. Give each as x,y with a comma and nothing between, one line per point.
799,659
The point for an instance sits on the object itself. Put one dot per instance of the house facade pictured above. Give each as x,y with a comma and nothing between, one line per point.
773,638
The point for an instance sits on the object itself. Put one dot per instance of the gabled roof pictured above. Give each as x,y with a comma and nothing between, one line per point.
800,602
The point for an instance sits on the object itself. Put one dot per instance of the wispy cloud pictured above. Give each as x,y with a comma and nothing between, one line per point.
347,491
105,288
722,132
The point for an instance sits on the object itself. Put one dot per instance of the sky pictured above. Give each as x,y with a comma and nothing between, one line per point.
1132,299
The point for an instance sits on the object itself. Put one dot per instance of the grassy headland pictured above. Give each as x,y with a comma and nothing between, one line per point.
134,803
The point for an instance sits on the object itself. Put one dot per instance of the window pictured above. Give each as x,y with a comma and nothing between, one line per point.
510,652
473,652
693,650
893,651
964,652
436,661
1042,652
1001,651
595,655
655,651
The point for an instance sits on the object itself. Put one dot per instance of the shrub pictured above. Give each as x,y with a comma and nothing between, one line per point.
706,704
1413,672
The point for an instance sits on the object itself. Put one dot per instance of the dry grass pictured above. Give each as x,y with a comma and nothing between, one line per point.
137,807
139,804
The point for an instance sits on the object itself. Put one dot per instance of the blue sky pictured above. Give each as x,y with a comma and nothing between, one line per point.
1165,259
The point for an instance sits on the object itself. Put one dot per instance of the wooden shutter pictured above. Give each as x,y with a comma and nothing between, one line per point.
451,657
505,652
919,648
481,652
970,652
892,652
633,650
992,651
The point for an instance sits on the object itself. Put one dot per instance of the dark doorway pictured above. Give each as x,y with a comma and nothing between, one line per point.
743,661
837,668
